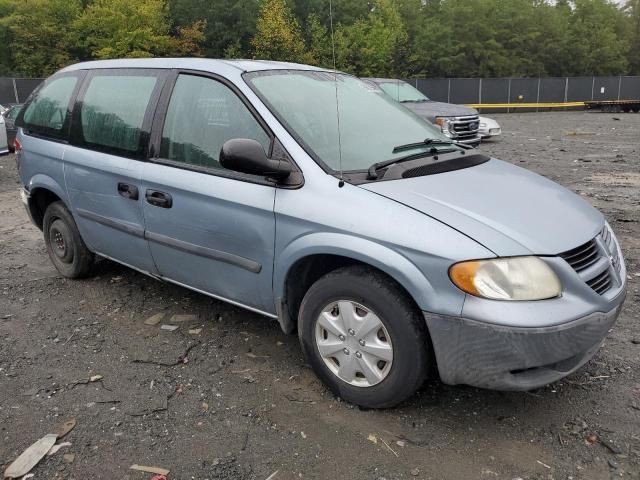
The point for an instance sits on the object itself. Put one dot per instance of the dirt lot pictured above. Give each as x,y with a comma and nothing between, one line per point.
235,400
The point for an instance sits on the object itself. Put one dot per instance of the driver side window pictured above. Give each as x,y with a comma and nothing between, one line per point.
202,115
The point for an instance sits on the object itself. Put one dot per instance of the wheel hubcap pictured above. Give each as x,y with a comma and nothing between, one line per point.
58,243
354,343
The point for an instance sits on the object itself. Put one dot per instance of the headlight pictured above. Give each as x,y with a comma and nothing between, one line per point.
517,278
444,124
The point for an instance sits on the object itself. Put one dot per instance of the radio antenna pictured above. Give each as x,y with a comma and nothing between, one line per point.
335,82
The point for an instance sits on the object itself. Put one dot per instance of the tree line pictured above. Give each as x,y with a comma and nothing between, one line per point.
399,38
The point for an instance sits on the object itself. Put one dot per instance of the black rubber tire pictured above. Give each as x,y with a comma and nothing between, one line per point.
75,260
402,319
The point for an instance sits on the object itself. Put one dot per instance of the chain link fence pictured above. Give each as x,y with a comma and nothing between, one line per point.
16,90
469,91
513,91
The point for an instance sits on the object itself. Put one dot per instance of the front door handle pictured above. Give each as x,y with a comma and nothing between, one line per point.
158,199
128,191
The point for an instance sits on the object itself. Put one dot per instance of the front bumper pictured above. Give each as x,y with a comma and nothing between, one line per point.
501,357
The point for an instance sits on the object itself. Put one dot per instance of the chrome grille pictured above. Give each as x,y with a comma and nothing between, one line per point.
582,257
593,254
465,128
601,282
610,243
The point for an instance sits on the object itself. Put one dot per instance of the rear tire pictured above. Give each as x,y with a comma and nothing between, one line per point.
65,246
375,346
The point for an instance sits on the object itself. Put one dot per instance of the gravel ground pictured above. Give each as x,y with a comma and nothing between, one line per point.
228,396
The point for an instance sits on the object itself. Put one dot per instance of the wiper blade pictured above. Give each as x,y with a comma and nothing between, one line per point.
372,173
428,142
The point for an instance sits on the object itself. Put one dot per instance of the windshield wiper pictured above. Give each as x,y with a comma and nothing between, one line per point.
372,173
428,142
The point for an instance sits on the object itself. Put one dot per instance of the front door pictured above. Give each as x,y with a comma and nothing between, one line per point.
207,227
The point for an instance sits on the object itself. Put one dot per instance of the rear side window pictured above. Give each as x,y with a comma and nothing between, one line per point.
13,113
112,114
46,114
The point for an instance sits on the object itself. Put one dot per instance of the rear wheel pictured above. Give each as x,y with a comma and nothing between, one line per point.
364,337
65,246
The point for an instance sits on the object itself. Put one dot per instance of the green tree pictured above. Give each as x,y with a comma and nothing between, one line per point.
39,34
375,45
598,39
122,28
318,38
278,35
632,9
230,24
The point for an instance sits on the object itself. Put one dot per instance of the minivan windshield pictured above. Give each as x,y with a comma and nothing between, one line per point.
403,92
371,124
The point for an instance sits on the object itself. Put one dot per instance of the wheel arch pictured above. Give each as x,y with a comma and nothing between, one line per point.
43,191
307,259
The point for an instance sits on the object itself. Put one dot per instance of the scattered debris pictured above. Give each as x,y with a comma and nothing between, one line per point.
543,464
391,449
401,443
159,477
57,447
31,457
415,472
183,318
31,392
195,331
95,378
372,438
591,439
170,328
144,468
69,457
303,435
66,428
154,319
610,445
273,475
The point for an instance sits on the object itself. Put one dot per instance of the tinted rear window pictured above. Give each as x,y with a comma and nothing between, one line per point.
113,109
47,112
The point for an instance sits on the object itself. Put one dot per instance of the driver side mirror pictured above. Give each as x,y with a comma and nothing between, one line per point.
247,156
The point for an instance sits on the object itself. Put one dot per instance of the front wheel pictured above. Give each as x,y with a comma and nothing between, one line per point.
364,337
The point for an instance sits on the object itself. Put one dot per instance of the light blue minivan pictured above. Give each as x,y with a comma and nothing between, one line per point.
310,197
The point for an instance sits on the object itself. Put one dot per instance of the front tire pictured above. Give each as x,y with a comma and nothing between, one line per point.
364,337
65,246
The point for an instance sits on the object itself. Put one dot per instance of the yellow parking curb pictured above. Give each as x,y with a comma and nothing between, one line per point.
526,105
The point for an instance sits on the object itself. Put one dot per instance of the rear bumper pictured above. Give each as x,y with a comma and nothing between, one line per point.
515,358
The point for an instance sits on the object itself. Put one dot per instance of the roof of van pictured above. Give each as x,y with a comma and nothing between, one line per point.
383,80
204,64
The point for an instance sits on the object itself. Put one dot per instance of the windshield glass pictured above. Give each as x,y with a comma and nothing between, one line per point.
403,92
371,124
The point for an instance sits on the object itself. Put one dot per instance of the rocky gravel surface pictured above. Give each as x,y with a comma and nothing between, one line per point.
227,396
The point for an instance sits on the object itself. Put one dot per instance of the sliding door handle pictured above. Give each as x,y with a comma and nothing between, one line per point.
159,199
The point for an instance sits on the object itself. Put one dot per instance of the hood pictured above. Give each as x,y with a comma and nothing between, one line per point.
431,110
507,209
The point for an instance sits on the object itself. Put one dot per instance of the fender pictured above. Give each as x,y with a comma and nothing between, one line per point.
45,181
397,266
